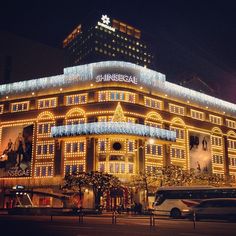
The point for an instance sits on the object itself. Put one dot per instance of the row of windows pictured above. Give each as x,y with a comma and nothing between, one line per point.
69,169
231,123
154,149
74,147
153,103
151,168
43,171
109,119
76,99
179,132
198,115
118,50
177,153
102,146
176,109
215,119
118,168
47,103
44,149
216,141
45,128
116,96
232,144
217,159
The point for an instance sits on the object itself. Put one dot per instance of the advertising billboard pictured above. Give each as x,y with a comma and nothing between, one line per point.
16,151
200,152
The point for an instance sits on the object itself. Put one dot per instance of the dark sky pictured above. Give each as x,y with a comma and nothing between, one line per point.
197,37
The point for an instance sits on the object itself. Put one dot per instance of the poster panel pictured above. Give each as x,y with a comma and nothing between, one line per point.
16,151
200,152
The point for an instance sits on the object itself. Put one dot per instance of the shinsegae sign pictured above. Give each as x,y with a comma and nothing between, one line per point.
116,77
105,23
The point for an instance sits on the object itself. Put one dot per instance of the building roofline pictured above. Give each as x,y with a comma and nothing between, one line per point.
153,80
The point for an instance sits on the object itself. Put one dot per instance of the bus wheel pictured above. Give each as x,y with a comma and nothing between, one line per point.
175,213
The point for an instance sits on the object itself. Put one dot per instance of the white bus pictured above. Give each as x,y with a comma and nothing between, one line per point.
176,201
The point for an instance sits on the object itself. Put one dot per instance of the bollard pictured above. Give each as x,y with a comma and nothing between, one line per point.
194,219
114,217
51,217
81,218
152,220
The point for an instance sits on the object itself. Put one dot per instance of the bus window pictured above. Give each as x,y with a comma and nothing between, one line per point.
159,199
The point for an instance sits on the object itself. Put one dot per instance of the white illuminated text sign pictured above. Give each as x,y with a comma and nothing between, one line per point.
116,78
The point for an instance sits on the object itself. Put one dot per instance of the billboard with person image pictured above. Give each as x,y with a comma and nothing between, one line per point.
200,152
16,151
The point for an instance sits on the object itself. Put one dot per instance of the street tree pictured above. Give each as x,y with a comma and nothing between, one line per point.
101,183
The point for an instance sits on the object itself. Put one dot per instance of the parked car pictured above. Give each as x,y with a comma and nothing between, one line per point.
218,208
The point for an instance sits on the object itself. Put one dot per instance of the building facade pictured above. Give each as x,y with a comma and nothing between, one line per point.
114,117
107,39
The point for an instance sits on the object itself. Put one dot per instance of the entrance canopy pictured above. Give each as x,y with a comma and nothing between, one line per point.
113,128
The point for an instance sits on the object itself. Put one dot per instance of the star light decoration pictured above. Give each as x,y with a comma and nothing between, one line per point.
105,19
112,128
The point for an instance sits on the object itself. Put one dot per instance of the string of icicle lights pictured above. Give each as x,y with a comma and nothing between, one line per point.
113,128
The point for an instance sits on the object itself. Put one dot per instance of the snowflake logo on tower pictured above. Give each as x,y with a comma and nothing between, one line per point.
105,19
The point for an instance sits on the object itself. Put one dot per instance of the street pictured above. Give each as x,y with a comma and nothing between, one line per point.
102,225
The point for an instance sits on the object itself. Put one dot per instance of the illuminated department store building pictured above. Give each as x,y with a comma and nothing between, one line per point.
114,117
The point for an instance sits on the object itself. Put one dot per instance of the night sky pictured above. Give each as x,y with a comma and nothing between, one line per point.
192,37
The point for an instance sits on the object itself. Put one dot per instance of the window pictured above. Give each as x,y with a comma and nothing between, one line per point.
216,141
153,124
155,150
74,167
1,108
101,167
231,124
76,121
130,146
232,144
76,99
44,129
122,168
116,96
153,103
217,159
43,171
47,103
111,168
131,168
176,109
37,172
45,149
21,106
215,119
198,115
232,160
179,132
75,148
177,153
150,168
67,170
102,145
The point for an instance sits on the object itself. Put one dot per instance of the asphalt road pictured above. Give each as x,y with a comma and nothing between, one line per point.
102,226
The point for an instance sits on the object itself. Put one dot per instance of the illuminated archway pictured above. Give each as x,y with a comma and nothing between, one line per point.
216,130
46,115
231,133
177,121
75,112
